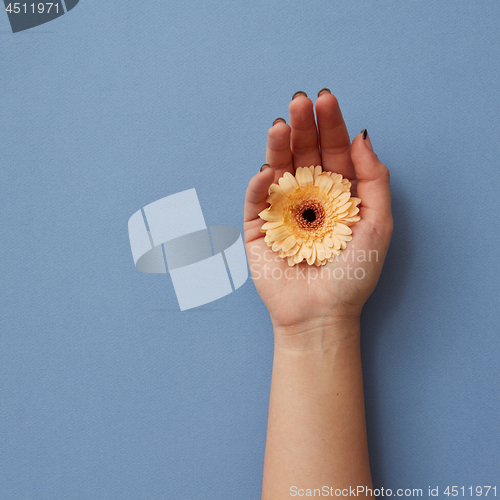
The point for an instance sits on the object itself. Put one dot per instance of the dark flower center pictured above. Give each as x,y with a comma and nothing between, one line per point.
309,214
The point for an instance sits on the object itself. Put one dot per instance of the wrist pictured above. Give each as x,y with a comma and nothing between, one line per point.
317,334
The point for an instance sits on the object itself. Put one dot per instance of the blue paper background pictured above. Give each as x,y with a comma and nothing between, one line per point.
107,390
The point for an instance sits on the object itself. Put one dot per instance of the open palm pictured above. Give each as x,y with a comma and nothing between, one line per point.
304,295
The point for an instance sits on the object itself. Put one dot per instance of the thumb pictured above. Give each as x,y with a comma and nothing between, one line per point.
257,193
255,202
373,179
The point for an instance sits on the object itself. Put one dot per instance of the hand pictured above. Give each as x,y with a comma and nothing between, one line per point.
308,298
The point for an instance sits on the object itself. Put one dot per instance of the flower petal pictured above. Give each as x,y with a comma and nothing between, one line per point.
271,225
280,233
335,191
344,237
275,188
304,177
271,215
293,181
320,251
343,198
298,171
328,242
312,258
342,229
343,208
336,242
353,210
276,246
305,251
275,198
298,258
349,221
324,183
287,187
339,217
289,243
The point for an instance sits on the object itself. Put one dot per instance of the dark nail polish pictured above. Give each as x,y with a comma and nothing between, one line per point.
266,165
323,90
279,120
366,137
300,92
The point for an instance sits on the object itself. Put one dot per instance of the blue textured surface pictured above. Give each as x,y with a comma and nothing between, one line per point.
107,390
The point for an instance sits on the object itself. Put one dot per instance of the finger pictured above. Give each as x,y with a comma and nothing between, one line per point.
373,182
278,152
304,135
257,193
334,141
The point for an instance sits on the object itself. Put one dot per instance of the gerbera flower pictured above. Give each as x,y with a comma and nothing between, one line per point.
309,216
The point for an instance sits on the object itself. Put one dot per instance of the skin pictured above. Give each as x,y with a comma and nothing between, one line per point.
316,433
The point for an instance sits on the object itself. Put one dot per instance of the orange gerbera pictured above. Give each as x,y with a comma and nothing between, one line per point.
309,216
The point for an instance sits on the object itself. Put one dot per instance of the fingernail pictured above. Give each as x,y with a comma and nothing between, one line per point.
323,91
279,120
266,165
366,138
300,92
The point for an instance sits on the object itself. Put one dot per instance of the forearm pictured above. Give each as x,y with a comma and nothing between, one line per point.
316,432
